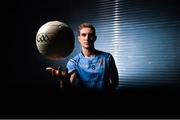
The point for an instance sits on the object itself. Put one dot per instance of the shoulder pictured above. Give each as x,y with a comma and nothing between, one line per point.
107,56
75,59
104,54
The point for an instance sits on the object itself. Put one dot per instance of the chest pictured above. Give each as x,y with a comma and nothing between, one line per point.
95,65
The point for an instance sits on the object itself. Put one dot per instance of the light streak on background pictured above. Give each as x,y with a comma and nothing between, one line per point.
142,36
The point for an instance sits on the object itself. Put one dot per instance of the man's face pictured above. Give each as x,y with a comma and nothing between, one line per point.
86,38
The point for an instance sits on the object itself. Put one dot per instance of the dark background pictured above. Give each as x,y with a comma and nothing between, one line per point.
29,92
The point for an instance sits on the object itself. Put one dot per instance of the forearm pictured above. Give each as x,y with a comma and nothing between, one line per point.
68,81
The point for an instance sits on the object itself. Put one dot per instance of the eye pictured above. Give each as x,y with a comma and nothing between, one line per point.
83,34
91,35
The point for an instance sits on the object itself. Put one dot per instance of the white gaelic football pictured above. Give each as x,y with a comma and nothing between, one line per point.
55,40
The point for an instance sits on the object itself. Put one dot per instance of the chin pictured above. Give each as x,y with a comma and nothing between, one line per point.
87,47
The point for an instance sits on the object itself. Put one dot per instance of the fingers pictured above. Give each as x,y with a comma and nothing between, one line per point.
49,68
61,73
66,71
59,68
52,71
58,72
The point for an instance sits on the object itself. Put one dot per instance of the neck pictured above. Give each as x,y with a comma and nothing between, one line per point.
88,52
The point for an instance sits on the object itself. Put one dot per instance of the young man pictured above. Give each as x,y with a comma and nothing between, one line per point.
91,69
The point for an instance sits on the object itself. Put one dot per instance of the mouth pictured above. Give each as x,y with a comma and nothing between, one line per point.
86,43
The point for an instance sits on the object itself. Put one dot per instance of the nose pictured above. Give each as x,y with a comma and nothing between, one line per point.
88,37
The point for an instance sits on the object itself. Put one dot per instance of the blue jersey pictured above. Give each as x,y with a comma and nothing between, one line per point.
92,72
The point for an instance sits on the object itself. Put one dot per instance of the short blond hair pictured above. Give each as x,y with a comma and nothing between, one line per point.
88,25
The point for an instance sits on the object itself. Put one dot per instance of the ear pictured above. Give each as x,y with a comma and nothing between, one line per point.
95,37
78,37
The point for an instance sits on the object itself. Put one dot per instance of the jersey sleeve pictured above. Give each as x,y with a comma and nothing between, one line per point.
113,72
71,65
